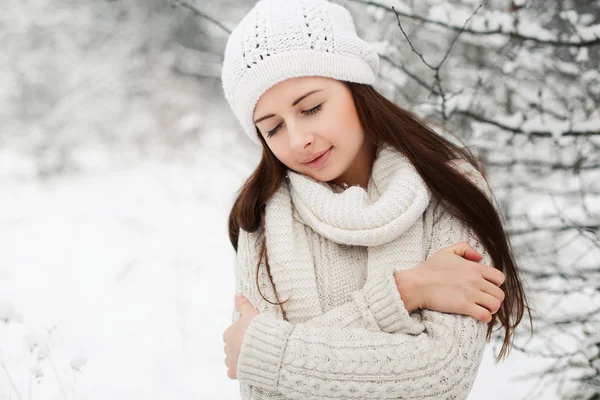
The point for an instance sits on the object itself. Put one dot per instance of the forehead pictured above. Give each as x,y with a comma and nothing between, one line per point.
284,93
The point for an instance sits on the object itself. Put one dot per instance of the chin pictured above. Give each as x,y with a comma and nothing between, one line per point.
325,175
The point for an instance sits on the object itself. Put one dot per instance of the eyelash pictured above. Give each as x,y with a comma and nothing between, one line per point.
307,112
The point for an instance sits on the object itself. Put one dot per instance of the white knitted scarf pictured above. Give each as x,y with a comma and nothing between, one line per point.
386,218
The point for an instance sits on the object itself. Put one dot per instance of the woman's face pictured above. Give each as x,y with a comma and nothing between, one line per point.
301,117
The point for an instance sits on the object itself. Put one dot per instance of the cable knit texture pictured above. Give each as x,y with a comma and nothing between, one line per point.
281,39
334,252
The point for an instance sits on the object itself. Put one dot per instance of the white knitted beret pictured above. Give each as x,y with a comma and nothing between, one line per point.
281,39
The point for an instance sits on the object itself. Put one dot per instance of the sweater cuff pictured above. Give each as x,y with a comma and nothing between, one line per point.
387,307
262,351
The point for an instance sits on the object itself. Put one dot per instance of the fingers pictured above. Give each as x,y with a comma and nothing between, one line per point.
491,303
226,360
231,374
480,313
472,255
243,305
491,274
464,249
493,290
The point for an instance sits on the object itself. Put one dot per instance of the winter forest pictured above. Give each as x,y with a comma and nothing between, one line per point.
120,158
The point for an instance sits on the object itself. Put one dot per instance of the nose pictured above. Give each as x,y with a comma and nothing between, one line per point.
299,138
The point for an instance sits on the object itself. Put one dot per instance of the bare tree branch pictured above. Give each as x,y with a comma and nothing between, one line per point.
547,134
499,31
201,14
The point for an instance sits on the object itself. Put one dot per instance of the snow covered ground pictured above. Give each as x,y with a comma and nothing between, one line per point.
117,283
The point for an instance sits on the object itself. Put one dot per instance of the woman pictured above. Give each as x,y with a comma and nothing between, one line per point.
380,234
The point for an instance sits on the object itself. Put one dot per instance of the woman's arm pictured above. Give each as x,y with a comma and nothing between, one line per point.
385,302
377,306
305,360
378,297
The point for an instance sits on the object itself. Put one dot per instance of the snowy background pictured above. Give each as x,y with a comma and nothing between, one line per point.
119,160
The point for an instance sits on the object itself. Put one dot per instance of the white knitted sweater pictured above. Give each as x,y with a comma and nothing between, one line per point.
348,334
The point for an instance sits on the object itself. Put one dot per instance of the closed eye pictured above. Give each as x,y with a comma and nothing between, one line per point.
312,111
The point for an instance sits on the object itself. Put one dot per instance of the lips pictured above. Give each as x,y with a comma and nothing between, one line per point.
320,161
315,156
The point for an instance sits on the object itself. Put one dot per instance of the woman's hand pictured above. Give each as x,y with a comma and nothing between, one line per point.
452,281
234,335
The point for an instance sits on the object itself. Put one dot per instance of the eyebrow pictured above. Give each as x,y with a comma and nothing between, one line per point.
298,100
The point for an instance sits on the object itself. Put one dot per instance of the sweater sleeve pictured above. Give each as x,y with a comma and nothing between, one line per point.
321,361
377,306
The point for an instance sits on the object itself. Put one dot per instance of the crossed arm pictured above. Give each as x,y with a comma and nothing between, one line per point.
370,347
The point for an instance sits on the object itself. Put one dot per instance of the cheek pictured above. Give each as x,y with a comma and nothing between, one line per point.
286,157
352,118
345,126
336,123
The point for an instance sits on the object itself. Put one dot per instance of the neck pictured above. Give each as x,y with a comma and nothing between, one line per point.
360,170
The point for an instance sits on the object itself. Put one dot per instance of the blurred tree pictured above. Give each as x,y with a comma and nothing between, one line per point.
81,79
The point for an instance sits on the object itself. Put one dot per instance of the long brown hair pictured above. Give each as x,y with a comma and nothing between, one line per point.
385,122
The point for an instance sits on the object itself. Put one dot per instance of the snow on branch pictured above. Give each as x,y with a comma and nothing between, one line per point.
496,23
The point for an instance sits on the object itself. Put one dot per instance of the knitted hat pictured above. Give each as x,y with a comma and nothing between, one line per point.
281,39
